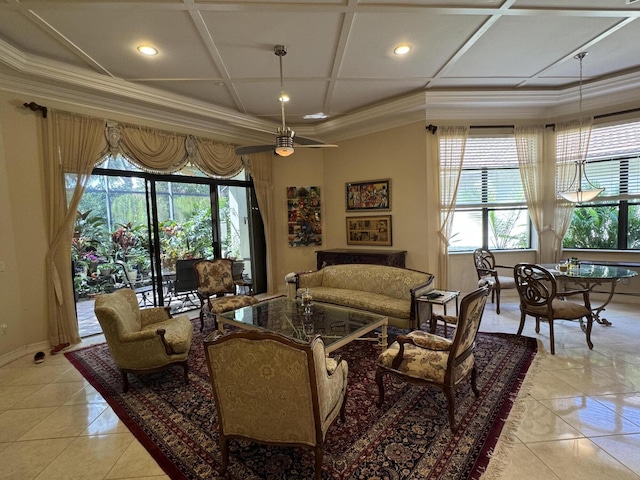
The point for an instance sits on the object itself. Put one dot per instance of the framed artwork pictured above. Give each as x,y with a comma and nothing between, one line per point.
369,195
369,230
304,219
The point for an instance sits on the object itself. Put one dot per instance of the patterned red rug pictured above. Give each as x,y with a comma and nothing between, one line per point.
408,438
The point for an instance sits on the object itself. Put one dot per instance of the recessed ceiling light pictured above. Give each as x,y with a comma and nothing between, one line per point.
147,50
402,49
316,116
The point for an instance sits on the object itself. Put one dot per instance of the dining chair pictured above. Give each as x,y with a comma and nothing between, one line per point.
270,389
423,358
488,275
540,298
216,288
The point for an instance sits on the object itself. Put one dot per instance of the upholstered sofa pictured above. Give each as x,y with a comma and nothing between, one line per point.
380,289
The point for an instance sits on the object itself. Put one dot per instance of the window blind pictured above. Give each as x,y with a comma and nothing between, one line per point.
490,174
613,160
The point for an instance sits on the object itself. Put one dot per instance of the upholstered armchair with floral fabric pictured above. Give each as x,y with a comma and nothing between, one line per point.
423,358
274,390
217,289
142,340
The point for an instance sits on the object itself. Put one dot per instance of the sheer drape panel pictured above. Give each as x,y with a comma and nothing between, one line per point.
72,144
217,158
262,174
530,149
572,144
451,144
152,150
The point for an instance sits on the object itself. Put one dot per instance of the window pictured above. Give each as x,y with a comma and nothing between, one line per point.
612,220
491,210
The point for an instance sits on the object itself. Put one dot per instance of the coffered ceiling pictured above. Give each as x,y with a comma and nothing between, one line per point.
215,58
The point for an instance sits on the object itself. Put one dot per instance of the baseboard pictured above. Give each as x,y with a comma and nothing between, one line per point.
22,351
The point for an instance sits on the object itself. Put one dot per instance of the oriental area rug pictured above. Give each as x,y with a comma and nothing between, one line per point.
407,438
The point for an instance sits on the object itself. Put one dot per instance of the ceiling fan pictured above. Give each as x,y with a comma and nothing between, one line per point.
285,137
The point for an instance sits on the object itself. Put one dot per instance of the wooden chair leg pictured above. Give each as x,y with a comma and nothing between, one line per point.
498,301
125,381
474,378
185,368
224,450
318,473
553,342
451,403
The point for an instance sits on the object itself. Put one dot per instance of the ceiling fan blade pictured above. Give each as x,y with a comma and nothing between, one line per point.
321,145
253,149
306,141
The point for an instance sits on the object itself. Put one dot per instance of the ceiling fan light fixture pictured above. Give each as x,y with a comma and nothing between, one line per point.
283,97
284,145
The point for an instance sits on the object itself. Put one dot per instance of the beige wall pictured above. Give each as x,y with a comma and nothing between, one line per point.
399,154
22,230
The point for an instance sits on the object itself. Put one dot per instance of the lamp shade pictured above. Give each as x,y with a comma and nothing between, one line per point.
284,151
580,196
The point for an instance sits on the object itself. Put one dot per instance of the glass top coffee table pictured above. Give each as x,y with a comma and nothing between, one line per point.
337,325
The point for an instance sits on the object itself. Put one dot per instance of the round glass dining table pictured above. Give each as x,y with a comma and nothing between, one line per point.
589,275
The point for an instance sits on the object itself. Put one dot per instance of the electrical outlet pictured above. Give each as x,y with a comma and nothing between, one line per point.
4,327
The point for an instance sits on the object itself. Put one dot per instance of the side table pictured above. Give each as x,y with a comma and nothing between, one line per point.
437,297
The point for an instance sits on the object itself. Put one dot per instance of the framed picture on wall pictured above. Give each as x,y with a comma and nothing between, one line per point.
368,195
369,230
304,221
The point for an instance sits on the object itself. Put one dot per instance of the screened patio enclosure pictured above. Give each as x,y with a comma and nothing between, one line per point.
143,230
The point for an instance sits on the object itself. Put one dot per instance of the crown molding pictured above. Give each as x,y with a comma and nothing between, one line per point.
84,89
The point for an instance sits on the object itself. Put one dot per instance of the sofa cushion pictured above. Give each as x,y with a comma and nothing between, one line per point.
371,302
380,279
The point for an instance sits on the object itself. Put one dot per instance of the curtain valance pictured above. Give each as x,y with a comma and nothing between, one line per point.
159,151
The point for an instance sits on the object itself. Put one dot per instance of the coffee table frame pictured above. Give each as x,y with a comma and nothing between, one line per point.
381,321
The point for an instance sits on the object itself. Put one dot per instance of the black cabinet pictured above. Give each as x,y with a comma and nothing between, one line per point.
339,256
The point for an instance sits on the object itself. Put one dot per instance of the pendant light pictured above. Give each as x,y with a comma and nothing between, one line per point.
580,195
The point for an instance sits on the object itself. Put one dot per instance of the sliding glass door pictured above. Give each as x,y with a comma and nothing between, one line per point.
144,231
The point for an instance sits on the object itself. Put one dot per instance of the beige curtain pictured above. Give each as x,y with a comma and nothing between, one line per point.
530,148
451,144
72,144
572,143
262,172
152,150
215,158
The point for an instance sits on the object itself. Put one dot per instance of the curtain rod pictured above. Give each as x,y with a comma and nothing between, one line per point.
433,128
35,107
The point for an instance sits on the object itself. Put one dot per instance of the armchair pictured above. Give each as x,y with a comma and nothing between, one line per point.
247,367
539,298
216,288
142,340
488,275
422,358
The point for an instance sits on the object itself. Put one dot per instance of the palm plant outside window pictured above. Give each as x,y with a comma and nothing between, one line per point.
612,221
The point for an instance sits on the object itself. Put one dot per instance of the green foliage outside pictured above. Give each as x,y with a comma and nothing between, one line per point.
506,229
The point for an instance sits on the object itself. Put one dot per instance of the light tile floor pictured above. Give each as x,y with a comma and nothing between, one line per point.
582,418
